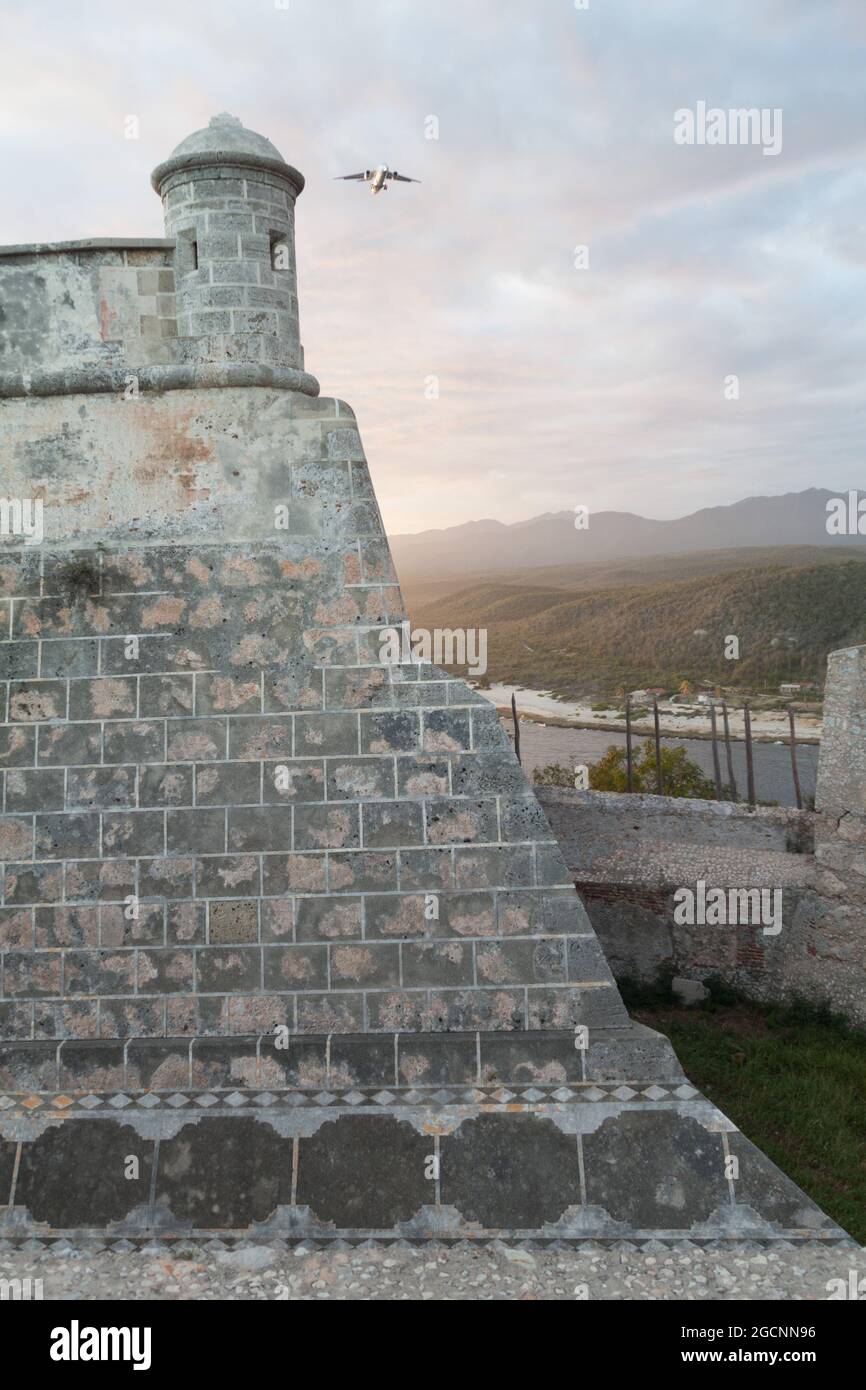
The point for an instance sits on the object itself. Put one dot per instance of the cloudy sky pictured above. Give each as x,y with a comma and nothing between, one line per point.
558,386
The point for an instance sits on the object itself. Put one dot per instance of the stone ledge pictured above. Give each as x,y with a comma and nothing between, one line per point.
51,248
169,377
208,160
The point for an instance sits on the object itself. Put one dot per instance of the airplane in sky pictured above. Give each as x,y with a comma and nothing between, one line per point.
376,178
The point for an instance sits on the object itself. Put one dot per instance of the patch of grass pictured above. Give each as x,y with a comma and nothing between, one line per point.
793,1079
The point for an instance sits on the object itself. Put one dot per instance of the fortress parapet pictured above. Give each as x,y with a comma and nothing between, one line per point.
214,303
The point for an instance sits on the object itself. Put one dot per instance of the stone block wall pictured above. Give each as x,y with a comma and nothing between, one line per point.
84,307
229,202
841,791
237,280
835,913
222,813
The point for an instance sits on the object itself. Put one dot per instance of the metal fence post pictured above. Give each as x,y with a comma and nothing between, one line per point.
660,787
717,771
797,791
750,763
628,753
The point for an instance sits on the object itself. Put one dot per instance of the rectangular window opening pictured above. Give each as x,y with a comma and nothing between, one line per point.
186,256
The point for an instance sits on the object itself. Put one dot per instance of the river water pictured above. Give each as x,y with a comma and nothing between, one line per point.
543,743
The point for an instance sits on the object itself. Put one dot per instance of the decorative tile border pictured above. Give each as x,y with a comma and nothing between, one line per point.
234,1100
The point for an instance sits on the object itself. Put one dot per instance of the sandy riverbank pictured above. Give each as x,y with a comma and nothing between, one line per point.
768,726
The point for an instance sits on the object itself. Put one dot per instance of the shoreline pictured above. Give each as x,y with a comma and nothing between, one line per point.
642,729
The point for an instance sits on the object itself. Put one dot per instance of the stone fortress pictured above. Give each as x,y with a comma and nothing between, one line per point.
282,923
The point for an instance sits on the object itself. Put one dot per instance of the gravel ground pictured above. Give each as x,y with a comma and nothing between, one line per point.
427,1273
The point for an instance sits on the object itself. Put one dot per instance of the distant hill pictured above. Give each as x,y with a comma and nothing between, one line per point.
481,547
578,641
419,591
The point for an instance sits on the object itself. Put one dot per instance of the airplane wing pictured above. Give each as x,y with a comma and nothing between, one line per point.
402,177
363,177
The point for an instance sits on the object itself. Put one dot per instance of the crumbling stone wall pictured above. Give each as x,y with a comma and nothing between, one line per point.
629,854
834,913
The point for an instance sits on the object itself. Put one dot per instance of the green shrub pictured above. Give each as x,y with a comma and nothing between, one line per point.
680,775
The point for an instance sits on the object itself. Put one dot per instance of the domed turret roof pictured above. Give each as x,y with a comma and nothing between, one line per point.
225,140
225,134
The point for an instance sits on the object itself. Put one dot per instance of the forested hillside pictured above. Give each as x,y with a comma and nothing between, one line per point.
577,642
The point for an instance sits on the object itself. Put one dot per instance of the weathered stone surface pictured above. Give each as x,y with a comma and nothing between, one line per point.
688,991
217,1175
79,1175
628,856
655,1171
364,1172
306,856
486,1168
407,1136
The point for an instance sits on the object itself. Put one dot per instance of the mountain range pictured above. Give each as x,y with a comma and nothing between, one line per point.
483,547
